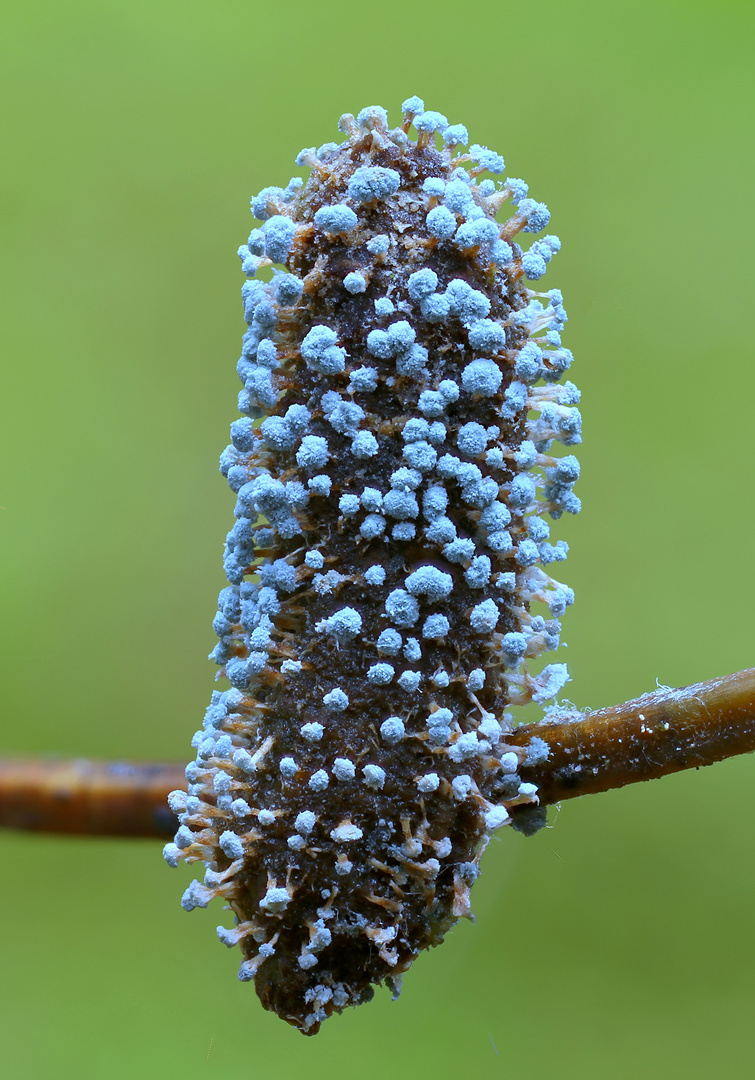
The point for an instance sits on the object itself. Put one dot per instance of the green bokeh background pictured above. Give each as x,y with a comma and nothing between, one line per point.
619,943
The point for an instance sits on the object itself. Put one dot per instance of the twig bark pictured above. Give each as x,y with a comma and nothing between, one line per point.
92,798
659,733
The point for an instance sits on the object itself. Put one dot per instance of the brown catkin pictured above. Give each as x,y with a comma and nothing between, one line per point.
385,560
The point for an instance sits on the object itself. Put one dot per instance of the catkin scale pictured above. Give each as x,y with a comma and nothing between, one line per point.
383,565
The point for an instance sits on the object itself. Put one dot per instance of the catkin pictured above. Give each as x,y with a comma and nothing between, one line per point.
387,552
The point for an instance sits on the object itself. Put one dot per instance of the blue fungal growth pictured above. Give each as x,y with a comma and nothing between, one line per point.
355,283
373,183
279,234
320,352
441,223
336,219
430,582
396,461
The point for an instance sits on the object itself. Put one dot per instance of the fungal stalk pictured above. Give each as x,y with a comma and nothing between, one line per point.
390,565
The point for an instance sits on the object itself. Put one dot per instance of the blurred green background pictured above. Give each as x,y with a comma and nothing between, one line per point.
619,943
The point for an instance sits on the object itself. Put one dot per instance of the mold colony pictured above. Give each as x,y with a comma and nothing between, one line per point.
387,547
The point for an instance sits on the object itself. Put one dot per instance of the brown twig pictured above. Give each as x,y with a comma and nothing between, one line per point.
656,734
91,798
659,733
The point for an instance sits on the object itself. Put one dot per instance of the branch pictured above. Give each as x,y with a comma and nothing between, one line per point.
659,733
653,735
90,798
